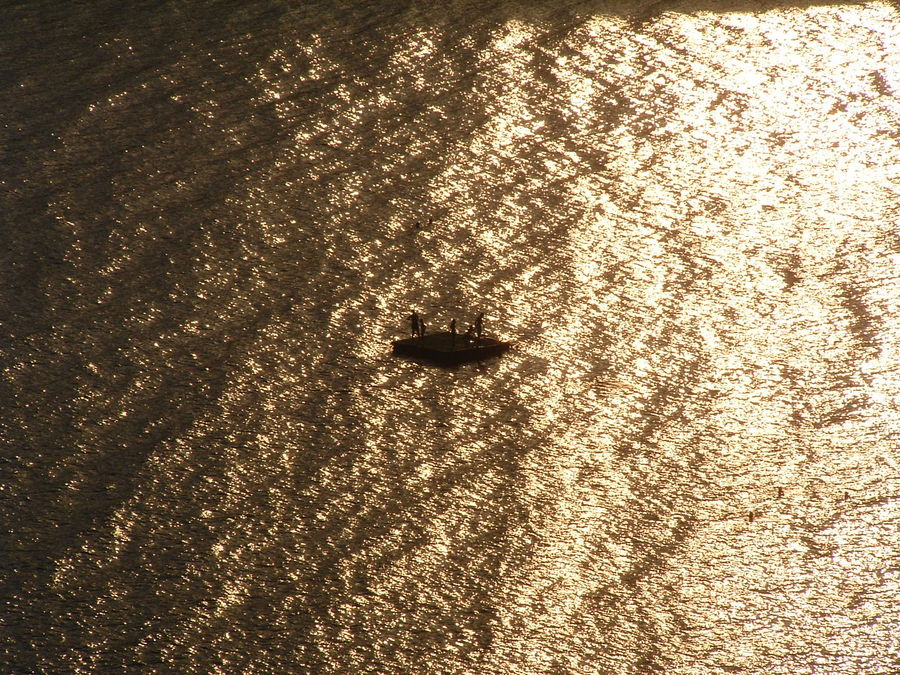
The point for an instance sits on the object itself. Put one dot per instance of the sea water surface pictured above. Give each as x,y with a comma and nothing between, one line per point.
684,214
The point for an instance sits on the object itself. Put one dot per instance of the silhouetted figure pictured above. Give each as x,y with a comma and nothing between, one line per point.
479,325
414,323
421,329
470,333
453,333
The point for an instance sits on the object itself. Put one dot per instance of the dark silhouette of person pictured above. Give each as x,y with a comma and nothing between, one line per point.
414,322
479,325
453,332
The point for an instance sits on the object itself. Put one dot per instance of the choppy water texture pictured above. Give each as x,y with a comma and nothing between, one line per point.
684,214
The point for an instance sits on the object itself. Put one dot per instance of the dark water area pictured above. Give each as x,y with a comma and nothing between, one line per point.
684,215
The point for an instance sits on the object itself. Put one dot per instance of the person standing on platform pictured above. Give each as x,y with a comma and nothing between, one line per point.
479,325
414,321
421,329
453,333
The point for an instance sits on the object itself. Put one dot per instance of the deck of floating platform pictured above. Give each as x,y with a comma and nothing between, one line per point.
443,348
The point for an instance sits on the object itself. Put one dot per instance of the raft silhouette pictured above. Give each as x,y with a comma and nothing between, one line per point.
447,349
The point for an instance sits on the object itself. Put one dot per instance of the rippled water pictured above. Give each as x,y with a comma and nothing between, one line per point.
685,216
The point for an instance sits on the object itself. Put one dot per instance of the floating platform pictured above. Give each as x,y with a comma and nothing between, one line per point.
445,349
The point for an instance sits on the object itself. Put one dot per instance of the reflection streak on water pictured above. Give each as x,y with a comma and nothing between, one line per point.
686,464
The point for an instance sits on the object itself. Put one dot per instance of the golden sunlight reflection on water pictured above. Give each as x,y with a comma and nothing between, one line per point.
697,410
686,464
702,317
